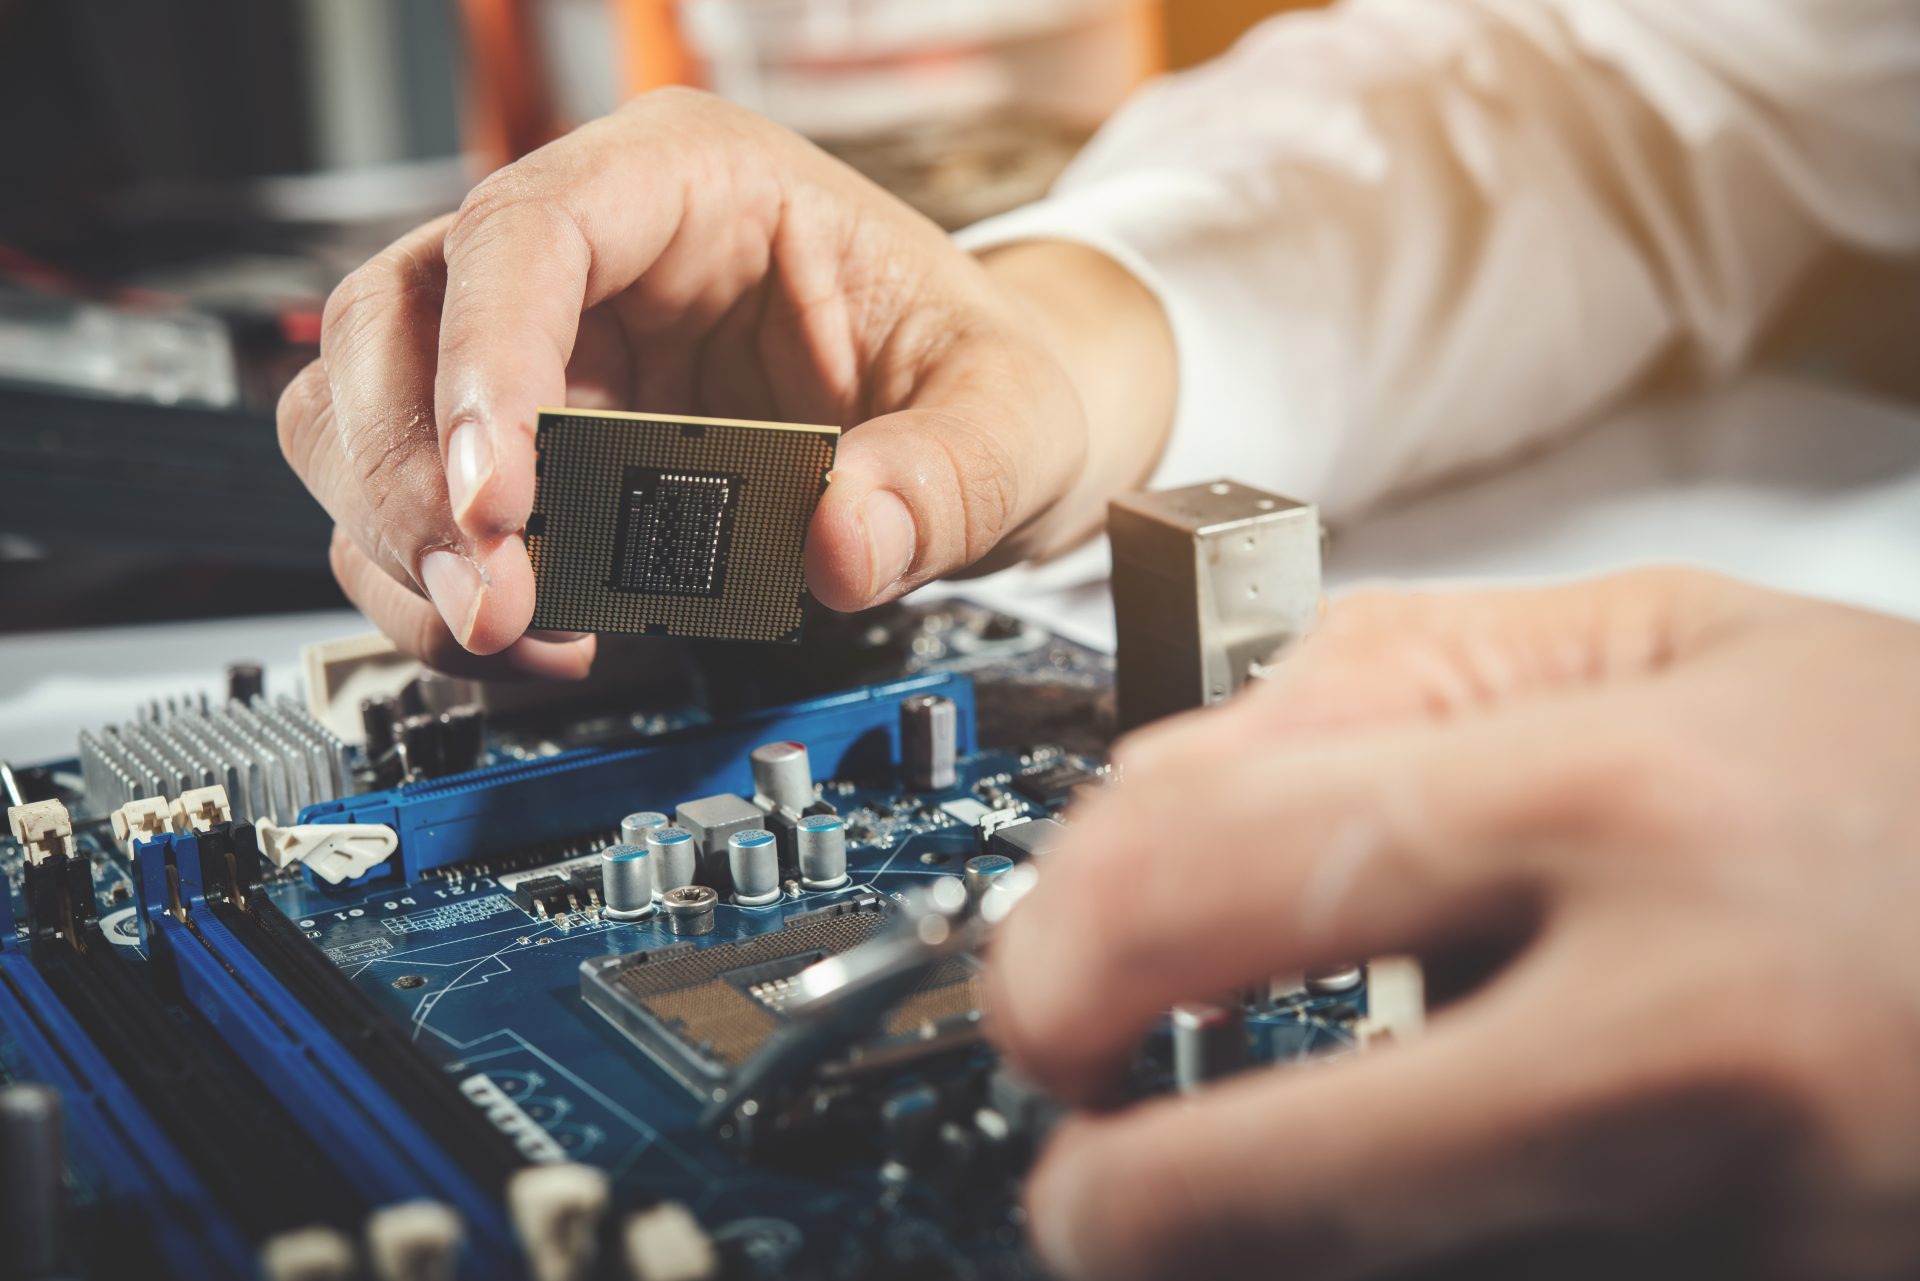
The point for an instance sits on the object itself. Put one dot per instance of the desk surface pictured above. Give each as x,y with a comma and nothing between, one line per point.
1781,482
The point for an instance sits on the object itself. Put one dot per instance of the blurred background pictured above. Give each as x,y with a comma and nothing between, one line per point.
187,179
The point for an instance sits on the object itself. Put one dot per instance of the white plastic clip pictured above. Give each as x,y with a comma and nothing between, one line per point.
199,809
141,819
43,829
334,852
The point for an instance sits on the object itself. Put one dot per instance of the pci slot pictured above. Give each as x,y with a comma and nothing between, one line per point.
385,1150
262,1169
129,1160
510,806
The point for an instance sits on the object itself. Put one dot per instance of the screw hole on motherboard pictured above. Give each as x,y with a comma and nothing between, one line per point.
407,982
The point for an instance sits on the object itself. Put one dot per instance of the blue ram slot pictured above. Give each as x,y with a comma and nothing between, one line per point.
324,1088
110,1135
505,807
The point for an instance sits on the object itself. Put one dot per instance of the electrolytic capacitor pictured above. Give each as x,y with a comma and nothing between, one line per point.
782,777
245,682
379,717
420,743
626,883
462,737
754,859
676,857
634,827
1209,1042
981,871
929,742
32,1180
821,842
689,909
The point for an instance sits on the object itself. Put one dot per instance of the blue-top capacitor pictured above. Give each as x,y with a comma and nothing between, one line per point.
676,857
754,859
820,842
626,883
982,870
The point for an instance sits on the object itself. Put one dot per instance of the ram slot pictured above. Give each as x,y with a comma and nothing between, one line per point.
388,1152
262,1168
128,1159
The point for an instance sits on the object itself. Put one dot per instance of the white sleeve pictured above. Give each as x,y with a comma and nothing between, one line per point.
1401,237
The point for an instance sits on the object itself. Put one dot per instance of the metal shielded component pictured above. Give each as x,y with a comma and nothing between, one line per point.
1208,582
652,524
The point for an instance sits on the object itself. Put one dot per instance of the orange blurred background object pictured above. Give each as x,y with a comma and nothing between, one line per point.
962,107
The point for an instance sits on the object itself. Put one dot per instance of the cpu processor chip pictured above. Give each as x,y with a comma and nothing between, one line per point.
651,524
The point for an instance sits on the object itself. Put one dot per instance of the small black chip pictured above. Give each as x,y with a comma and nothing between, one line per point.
650,524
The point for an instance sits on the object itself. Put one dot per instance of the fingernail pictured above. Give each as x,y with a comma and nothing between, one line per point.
891,539
469,465
456,589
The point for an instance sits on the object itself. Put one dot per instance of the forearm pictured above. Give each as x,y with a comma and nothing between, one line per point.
1398,240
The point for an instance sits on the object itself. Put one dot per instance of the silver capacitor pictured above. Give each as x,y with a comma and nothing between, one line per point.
982,870
675,855
929,741
821,842
753,857
782,777
1209,1042
626,883
634,827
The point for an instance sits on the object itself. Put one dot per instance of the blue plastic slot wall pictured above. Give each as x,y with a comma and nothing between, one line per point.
111,1135
509,806
324,1088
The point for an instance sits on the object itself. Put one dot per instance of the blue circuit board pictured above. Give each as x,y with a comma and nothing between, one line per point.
488,990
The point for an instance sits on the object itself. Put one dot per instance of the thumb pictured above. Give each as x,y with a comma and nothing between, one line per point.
933,489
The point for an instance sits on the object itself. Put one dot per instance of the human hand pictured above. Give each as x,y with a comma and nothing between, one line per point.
1686,812
685,256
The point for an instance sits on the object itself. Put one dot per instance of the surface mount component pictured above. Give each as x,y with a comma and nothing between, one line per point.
658,525
1208,582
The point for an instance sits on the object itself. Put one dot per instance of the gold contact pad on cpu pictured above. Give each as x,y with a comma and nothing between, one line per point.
660,525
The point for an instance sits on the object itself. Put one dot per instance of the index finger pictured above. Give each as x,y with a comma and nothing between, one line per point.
1234,865
535,245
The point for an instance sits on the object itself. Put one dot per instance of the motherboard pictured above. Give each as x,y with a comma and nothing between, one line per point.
471,990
